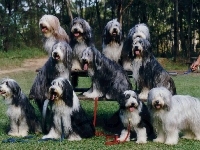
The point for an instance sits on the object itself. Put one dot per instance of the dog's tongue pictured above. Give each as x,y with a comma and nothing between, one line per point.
131,109
158,106
85,67
52,97
44,29
137,52
76,34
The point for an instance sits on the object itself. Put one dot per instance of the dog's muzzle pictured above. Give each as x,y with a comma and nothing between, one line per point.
76,32
43,28
136,50
157,105
56,56
132,107
114,32
2,92
85,64
53,94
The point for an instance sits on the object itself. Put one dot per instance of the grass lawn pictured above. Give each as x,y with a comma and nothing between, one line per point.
186,84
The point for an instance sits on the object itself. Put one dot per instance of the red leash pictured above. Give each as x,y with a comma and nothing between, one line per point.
110,139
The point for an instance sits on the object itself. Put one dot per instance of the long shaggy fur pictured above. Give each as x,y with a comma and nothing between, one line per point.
80,38
139,30
112,40
52,31
134,114
109,78
20,111
75,124
147,72
174,114
58,65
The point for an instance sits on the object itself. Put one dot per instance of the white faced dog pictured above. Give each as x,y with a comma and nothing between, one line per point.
69,118
52,31
109,78
20,111
135,116
58,65
147,71
112,40
139,30
174,114
80,38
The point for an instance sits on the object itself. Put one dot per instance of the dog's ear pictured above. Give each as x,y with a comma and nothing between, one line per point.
16,91
147,44
67,93
68,56
97,59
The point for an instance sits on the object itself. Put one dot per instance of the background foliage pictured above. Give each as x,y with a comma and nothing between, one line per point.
174,24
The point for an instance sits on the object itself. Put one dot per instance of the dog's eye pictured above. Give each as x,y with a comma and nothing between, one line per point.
127,96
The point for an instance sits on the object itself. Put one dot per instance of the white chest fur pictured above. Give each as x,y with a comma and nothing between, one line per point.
136,64
63,71
113,51
78,49
14,112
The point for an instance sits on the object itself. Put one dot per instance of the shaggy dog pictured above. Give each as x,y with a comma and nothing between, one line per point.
172,114
20,111
139,30
69,118
147,72
109,78
112,40
135,116
59,64
52,31
80,38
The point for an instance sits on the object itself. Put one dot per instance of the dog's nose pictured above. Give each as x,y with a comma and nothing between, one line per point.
132,104
157,102
75,30
52,90
55,54
115,29
136,47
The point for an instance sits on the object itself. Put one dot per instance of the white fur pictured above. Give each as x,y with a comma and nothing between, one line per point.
60,109
131,119
174,114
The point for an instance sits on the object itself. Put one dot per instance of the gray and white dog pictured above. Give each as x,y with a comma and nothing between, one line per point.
109,78
147,71
20,111
80,38
139,30
112,40
135,116
58,65
174,114
69,118
52,31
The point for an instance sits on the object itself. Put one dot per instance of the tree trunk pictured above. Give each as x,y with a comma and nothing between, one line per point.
176,31
69,10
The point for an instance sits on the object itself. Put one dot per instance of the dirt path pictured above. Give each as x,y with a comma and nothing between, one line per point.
28,65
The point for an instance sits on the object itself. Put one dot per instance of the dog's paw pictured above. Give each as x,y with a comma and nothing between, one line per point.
92,95
141,141
11,133
159,140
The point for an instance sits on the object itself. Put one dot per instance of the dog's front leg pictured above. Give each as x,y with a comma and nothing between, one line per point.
13,128
53,133
123,136
141,135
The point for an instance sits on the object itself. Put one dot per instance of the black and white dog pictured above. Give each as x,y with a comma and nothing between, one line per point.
52,31
112,40
139,30
135,116
20,111
147,72
109,78
69,118
58,65
80,38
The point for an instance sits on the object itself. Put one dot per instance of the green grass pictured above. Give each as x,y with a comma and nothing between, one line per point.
186,84
15,58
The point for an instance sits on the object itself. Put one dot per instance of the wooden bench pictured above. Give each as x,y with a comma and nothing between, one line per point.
82,73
